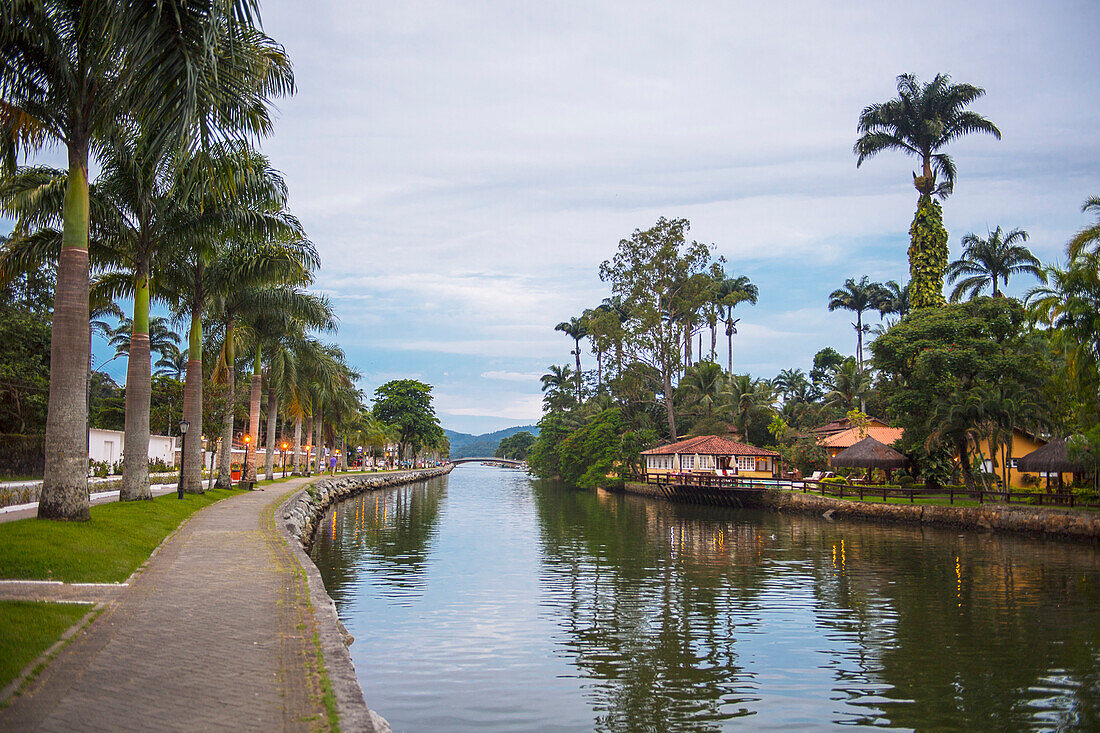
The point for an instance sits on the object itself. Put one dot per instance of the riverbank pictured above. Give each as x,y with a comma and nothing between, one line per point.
221,628
1032,520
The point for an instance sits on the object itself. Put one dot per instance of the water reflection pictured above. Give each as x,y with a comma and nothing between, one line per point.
536,607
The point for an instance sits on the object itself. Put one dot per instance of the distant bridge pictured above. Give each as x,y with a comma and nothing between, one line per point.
501,461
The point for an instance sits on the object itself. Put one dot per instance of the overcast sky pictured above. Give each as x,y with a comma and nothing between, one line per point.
464,167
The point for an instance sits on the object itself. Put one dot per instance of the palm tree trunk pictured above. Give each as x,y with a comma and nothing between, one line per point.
64,493
319,439
192,406
298,445
577,353
253,446
714,341
668,403
859,339
135,465
729,345
343,454
225,457
687,345
272,417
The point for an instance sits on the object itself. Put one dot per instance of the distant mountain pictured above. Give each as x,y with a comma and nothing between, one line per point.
464,445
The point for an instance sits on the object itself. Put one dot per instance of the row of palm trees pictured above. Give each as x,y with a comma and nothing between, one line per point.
167,98
603,326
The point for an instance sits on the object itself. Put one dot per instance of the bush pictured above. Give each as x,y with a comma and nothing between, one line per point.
158,466
22,455
906,481
835,480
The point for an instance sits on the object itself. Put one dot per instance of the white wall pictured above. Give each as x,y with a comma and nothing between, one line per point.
107,445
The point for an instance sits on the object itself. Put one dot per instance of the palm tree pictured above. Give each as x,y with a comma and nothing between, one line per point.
703,383
270,314
851,385
1088,239
986,262
576,329
555,384
69,72
894,300
858,297
922,121
792,384
732,292
233,193
748,400
172,362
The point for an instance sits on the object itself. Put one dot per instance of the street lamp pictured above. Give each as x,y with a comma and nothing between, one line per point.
244,483
284,447
184,425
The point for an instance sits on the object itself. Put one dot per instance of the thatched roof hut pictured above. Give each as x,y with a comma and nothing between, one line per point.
1051,458
869,453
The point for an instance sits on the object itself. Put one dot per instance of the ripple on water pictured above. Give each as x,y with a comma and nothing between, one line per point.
484,601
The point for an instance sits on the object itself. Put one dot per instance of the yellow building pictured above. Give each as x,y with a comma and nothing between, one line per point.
993,461
712,454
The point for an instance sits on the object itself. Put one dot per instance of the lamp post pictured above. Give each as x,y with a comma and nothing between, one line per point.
308,456
284,446
244,483
184,425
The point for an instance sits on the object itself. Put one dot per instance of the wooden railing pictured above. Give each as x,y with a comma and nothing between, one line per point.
854,491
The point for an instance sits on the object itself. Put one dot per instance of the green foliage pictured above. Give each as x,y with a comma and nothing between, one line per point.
954,372
515,446
24,370
804,453
406,404
592,454
928,255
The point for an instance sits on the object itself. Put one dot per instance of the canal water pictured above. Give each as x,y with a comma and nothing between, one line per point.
488,601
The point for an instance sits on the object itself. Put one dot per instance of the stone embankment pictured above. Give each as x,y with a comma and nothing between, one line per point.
302,512
1049,521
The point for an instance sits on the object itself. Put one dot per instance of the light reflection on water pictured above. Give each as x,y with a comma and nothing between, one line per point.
487,601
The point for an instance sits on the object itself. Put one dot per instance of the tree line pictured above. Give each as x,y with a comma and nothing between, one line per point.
951,369
170,99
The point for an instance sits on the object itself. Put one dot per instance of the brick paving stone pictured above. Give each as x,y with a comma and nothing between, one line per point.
216,634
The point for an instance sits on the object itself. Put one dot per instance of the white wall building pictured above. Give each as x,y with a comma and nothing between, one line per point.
107,445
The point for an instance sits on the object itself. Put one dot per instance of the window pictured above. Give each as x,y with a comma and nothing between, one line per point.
687,463
746,463
1013,463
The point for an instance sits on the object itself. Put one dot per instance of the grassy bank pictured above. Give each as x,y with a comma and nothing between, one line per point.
28,628
106,549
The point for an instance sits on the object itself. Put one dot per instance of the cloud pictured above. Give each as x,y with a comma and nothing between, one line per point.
512,376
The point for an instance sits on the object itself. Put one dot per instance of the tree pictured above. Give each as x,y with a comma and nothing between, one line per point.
986,262
731,293
851,385
555,385
947,369
922,121
576,329
858,297
69,73
1087,241
658,275
406,404
515,446
793,385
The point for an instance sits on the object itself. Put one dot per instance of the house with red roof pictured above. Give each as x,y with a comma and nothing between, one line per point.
712,454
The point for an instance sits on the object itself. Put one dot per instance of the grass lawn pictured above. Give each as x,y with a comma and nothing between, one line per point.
106,549
28,628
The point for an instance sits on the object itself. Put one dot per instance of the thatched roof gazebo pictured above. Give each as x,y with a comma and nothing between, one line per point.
1051,458
869,453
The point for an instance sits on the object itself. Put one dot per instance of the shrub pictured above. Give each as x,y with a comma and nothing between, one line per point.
905,481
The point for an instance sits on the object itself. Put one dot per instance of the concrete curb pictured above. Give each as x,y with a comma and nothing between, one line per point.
296,519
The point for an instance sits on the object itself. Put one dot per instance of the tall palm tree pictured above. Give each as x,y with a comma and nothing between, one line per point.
270,314
555,384
990,261
922,121
575,328
858,297
895,299
69,72
732,292
703,384
748,401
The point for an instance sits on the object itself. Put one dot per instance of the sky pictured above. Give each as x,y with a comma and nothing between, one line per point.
463,168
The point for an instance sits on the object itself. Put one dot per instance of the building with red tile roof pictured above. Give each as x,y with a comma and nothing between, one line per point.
712,454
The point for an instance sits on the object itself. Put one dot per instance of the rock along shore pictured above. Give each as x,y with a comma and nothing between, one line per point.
1075,524
300,515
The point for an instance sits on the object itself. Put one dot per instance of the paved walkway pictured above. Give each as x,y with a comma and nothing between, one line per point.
216,634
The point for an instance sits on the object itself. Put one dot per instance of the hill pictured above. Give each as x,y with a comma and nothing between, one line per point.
464,445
